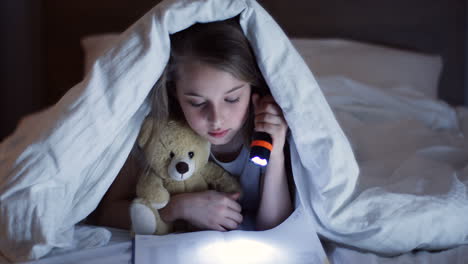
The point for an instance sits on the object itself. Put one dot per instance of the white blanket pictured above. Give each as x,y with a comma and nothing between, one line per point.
59,163
412,153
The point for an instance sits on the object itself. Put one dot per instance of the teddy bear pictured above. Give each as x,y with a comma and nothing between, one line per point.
178,162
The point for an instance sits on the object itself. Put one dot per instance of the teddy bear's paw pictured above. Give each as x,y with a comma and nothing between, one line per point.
143,220
158,206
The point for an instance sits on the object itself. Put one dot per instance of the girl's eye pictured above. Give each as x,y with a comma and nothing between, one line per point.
196,104
232,100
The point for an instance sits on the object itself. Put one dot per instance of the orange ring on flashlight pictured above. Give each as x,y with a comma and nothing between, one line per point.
262,143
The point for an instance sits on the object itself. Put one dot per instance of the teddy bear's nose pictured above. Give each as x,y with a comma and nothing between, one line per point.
182,167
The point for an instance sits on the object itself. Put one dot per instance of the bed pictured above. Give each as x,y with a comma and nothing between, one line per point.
388,75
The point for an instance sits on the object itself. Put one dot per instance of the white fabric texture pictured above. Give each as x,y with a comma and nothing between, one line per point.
343,255
53,175
377,65
380,66
412,153
119,250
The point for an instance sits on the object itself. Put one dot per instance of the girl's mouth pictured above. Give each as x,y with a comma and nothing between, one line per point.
218,134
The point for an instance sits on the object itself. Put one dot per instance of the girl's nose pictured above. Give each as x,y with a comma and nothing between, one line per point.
214,115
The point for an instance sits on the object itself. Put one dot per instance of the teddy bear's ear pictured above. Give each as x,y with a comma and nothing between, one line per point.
145,131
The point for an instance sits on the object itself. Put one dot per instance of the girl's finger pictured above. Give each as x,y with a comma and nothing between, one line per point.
229,224
270,118
233,205
235,216
234,196
271,108
269,128
268,108
219,228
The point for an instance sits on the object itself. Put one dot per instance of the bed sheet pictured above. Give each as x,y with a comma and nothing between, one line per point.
297,247
342,255
401,135
120,251
402,140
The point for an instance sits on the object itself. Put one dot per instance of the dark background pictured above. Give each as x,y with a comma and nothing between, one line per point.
41,57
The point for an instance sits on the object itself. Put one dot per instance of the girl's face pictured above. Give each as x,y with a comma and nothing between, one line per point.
215,103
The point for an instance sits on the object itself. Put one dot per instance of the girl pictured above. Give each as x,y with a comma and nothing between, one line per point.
213,83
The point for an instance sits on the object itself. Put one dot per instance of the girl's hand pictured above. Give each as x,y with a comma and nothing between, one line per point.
275,200
205,210
269,118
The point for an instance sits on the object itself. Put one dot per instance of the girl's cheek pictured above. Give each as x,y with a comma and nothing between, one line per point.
242,110
196,118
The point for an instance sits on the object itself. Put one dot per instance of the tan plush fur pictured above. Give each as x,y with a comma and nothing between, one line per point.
177,149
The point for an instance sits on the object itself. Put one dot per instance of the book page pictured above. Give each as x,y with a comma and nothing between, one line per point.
294,241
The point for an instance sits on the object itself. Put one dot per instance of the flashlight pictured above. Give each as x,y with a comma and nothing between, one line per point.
260,148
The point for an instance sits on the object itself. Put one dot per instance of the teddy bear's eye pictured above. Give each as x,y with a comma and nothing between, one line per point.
191,154
172,154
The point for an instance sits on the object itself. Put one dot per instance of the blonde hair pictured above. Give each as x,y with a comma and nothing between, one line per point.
222,45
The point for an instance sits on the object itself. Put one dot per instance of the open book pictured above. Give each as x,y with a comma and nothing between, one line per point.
283,244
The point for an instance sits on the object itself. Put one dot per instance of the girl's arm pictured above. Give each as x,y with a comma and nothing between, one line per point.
205,210
113,210
275,200
208,210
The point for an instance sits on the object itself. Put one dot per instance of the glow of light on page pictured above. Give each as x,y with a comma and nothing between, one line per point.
239,251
